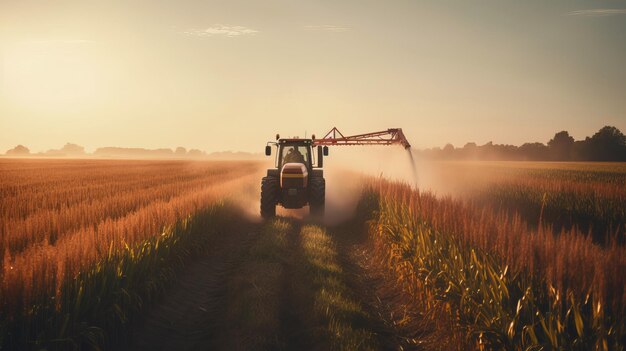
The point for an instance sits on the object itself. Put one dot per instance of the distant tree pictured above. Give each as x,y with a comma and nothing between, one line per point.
196,153
180,151
533,151
486,151
133,152
161,152
469,146
608,144
561,146
469,150
19,150
506,152
448,151
72,149
580,150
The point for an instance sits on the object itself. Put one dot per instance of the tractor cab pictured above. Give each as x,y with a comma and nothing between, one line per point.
297,151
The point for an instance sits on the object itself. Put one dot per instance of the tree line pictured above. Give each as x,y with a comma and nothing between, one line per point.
608,144
73,150
77,151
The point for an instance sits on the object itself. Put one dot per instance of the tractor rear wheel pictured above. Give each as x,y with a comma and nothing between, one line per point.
269,196
317,196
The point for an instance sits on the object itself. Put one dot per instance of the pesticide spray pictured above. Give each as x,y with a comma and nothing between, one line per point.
413,167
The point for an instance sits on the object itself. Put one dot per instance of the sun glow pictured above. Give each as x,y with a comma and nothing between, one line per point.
50,74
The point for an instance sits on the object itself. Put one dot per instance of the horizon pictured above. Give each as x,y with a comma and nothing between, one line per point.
188,150
228,76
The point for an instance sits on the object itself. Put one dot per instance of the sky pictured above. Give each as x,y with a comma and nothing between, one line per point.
229,75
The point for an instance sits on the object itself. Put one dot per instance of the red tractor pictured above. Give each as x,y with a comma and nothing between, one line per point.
298,179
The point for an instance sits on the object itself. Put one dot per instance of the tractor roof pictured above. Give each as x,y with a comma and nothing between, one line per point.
294,140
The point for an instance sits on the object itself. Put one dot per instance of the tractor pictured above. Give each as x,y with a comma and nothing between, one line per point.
298,179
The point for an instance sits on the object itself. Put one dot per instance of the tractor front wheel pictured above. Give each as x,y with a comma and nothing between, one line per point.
270,188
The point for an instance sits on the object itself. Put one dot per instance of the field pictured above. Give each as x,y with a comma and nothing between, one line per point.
61,218
101,254
564,195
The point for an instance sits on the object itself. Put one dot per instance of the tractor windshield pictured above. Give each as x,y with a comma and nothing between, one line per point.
297,154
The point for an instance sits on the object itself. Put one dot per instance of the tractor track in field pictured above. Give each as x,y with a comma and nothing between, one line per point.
399,325
267,305
252,290
367,286
185,317
294,327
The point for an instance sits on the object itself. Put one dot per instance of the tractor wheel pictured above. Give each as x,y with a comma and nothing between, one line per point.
269,196
317,196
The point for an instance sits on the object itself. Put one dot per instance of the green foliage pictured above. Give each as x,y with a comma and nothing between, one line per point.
497,309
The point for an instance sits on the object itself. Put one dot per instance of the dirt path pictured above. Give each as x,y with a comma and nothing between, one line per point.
397,324
281,285
185,317
267,303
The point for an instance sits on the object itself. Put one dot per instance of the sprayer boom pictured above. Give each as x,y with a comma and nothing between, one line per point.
386,137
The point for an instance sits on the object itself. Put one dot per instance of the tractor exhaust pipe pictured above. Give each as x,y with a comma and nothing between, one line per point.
320,156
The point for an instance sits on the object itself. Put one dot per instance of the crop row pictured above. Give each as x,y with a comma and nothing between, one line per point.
506,286
96,308
58,249
565,196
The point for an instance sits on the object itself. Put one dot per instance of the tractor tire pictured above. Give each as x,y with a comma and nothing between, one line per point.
317,196
270,189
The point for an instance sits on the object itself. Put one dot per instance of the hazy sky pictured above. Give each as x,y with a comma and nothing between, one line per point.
220,75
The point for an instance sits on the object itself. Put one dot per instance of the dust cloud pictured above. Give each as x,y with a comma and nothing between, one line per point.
390,162
247,197
344,170
343,190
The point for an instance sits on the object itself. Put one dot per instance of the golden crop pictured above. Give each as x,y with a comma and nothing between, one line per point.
58,216
509,284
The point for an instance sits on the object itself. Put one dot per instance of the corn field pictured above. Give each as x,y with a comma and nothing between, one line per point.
63,247
506,285
590,198
523,256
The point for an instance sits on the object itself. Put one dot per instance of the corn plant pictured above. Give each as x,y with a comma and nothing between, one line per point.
445,255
